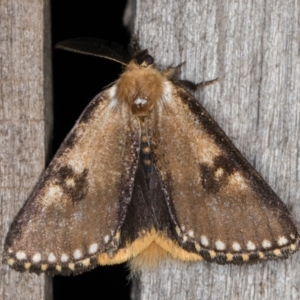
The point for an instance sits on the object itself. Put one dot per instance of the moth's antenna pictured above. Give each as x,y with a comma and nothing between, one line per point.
96,47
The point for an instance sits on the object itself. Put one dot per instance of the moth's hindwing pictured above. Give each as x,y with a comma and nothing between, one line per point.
221,208
74,215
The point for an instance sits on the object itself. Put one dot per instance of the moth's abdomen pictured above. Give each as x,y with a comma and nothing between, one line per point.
145,150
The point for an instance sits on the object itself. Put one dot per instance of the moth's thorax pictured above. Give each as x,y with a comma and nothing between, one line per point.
140,87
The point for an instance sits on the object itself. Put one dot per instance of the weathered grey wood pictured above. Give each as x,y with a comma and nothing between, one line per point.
253,47
25,119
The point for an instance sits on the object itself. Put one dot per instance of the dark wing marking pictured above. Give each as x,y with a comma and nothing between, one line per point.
78,207
220,206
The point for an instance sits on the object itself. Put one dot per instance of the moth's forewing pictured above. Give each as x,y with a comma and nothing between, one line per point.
77,208
223,209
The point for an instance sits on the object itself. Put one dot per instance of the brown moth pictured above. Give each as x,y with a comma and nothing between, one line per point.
146,173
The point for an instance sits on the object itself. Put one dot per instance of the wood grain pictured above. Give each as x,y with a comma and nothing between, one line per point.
253,47
25,123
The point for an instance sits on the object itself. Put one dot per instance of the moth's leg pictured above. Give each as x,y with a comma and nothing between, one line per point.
193,86
171,74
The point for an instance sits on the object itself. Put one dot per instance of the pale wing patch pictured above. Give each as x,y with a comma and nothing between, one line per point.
219,173
70,182
76,162
237,181
53,192
113,100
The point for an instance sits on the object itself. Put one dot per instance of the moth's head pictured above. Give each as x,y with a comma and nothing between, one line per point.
141,85
143,59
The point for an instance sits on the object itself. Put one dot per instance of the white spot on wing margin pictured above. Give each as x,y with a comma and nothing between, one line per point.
236,246
250,246
77,254
220,245
51,258
21,255
266,244
106,239
64,257
36,257
282,241
191,233
204,240
93,248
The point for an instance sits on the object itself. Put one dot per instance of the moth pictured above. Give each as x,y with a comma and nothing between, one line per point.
145,174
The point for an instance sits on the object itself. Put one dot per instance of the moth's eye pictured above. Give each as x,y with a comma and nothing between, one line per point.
149,60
